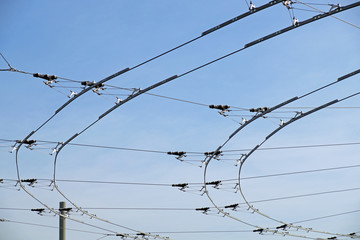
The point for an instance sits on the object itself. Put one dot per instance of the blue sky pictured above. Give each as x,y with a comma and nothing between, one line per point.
87,41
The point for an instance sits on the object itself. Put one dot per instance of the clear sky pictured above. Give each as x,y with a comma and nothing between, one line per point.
90,40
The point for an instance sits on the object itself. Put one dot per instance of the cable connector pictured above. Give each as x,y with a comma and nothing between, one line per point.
38,210
215,154
181,186
215,184
282,227
123,236
88,83
233,206
26,141
45,76
259,110
204,210
251,7
31,181
219,107
259,230
179,155
332,238
287,4
65,209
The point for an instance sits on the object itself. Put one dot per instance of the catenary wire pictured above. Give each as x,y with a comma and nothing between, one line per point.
331,15
207,161
138,94
266,139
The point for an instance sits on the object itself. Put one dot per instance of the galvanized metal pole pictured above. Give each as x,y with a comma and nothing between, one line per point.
62,222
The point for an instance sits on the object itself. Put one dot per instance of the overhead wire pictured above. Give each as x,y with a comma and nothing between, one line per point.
160,83
308,5
301,115
266,139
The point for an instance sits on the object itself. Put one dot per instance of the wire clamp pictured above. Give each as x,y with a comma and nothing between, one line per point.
72,94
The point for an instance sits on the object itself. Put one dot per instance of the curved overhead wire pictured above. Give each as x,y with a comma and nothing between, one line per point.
298,116
266,139
155,85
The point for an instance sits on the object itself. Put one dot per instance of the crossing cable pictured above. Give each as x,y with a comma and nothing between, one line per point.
229,152
190,183
266,139
318,17
305,4
209,158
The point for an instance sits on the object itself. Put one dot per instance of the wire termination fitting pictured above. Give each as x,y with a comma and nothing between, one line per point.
45,76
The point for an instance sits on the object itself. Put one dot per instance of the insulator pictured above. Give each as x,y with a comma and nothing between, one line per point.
282,227
232,206
177,153
87,83
65,209
214,183
205,209
220,107
182,185
40,210
26,141
32,180
45,76
212,153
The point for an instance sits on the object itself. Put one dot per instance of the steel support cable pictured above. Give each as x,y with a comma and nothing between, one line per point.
318,17
225,152
193,183
267,138
208,159
47,226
